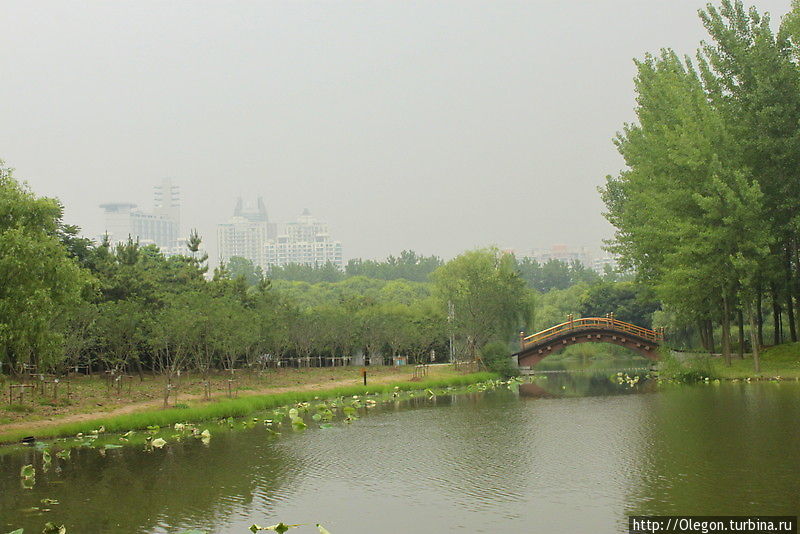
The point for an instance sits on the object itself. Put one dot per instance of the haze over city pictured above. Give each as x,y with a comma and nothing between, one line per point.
436,127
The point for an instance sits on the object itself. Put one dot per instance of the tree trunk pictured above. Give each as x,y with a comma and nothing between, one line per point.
790,317
740,322
710,334
789,302
701,329
140,370
753,339
759,320
776,317
726,329
794,288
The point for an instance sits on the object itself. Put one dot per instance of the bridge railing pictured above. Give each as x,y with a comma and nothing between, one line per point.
608,323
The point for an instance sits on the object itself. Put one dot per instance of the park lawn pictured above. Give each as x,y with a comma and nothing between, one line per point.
92,394
222,407
780,360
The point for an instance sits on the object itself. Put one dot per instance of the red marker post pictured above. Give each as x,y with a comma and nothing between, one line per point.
364,374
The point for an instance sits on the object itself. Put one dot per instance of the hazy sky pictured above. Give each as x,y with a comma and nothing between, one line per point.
432,125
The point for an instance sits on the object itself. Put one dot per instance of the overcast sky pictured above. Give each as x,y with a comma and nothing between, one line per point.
435,126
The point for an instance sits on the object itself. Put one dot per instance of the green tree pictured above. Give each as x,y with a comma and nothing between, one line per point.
487,295
752,78
628,301
38,278
242,267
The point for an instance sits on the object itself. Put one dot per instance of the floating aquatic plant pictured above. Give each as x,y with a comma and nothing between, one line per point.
280,527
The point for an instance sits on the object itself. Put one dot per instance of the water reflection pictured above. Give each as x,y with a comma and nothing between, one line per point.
587,383
128,490
569,453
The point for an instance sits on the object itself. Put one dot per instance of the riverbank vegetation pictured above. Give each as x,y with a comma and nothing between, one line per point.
67,303
706,209
198,411
780,362
95,395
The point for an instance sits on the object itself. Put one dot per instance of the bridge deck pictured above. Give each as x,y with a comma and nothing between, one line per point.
594,323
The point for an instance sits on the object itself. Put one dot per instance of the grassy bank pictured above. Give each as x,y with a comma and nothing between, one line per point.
94,393
779,361
204,411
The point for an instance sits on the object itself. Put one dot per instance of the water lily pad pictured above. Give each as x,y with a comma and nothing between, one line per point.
158,443
280,528
299,424
27,471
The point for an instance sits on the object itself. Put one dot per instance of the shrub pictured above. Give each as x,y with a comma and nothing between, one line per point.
497,359
687,371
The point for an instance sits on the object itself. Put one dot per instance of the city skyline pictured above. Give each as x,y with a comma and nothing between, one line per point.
454,126
254,211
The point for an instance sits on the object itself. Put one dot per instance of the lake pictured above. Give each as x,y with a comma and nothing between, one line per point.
573,453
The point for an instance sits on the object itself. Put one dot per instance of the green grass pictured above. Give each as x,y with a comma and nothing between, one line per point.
18,408
239,407
780,360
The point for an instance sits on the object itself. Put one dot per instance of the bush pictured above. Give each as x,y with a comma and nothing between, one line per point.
497,359
688,371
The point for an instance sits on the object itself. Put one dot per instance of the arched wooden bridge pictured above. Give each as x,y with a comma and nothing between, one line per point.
536,347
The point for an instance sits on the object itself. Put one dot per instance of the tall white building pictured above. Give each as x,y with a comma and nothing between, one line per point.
246,233
161,227
249,234
579,254
306,241
563,253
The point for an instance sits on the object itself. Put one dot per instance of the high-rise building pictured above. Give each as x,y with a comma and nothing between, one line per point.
563,253
249,234
167,201
161,227
580,254
246,233
306,241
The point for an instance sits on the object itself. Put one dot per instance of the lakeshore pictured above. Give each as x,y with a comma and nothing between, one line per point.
282,388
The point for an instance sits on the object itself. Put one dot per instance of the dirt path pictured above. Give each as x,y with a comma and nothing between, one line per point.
155,404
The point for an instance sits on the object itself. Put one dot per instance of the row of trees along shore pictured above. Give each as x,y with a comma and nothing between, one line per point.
707,210
66,301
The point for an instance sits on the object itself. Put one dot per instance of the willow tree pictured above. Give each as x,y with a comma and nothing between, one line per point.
488,297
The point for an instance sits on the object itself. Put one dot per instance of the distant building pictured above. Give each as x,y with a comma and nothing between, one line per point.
246,233
167,201
600,264
249,234
580,254
563,253
161,227
306,241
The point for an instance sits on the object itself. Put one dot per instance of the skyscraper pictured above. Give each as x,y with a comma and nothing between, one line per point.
161,227
306,241
249,234
246,233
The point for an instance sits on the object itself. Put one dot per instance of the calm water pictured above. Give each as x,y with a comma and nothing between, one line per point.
570,454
